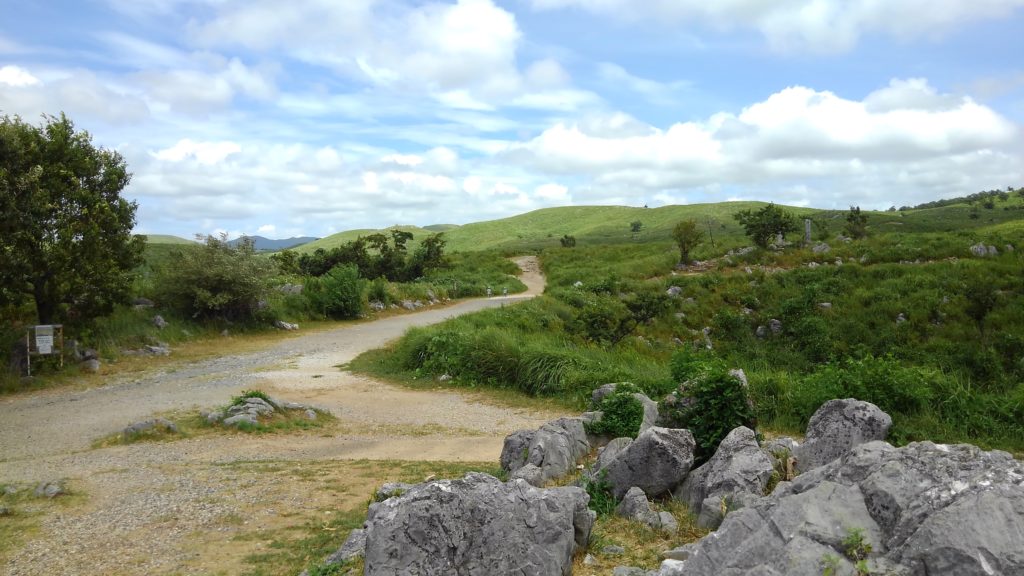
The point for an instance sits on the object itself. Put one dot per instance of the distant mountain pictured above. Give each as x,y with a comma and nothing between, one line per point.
269,244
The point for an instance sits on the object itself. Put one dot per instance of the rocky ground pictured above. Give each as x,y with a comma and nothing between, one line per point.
200,505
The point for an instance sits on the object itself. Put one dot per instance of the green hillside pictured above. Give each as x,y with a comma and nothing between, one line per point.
340,238
611,225
166,239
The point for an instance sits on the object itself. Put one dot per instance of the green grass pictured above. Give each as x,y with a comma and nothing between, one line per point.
166,239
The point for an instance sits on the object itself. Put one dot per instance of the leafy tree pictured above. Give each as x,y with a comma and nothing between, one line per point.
429,256
856,223
215,280
687,236
635,226
765,224
288,261
66,238
568,241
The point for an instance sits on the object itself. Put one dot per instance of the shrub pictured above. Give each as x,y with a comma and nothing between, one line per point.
762,226
378,291
604,320
215,280
621,413
339,293
720,404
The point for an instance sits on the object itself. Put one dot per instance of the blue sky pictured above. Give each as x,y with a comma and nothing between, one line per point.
316,116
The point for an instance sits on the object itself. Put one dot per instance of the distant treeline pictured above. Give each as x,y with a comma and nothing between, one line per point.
986,198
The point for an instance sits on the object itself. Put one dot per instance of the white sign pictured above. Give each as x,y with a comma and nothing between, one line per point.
44,339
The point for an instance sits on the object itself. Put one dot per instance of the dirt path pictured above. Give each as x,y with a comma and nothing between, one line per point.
162,508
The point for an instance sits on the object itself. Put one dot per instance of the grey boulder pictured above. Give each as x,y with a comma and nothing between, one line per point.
836,427
477,525
739,466
152,424
635,506
656,462
554,448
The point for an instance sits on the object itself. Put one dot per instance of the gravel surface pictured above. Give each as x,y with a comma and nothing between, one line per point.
183,507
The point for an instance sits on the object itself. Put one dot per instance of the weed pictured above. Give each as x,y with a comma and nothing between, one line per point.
621,414
600,491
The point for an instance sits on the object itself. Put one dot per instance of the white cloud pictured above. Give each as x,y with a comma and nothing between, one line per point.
463,53
80,93
267,229
906,136
202,152
17,77
806,25
552,192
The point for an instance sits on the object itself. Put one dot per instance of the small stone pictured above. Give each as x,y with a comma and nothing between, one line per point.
50,489
825,305
901,318
613,550
5,511
775,325
91,366
310,414
159,322
628,571
589,560
239,419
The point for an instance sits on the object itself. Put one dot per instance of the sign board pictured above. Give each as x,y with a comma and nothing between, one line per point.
44,339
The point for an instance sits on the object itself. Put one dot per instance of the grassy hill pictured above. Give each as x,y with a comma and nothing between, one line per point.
611,225
166,239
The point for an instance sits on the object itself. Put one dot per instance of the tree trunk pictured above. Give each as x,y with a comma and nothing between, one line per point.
46,308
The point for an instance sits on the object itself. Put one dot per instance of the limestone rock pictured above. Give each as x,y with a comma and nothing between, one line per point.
241,418
738,466
152,424
50,489
159,322
556,446
656,462
924,508
353,547
836,427
635,506
515,450
281,324
91,365
477,525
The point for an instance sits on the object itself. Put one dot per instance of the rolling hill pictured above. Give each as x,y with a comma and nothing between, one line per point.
611,224
271,245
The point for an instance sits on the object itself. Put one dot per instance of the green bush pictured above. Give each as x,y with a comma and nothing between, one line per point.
338,293
719,404
215,280
622,413
604,319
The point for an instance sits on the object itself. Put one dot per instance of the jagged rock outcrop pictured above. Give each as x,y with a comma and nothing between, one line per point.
554,448
738,470
923,508
836,427
477,525
656,462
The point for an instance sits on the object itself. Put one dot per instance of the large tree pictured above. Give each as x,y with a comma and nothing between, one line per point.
765,224
687,236
66,238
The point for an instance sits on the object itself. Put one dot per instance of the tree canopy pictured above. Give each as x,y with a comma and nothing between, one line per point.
765,224
687,236
66,240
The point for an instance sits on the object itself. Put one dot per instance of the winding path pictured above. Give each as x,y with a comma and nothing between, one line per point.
161,508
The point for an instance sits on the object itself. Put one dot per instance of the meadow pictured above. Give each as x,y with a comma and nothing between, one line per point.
906,318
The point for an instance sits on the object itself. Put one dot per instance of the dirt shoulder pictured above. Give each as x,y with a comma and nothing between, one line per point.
155,507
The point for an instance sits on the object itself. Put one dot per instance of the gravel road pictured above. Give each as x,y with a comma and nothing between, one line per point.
178,507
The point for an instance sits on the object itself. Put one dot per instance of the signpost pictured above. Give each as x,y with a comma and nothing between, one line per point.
44,340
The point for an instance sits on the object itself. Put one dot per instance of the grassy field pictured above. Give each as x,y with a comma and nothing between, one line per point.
897,324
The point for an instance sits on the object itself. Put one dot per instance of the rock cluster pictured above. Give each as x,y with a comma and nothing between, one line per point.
249,410
859,505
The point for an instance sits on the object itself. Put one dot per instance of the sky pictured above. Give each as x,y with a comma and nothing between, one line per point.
310,117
